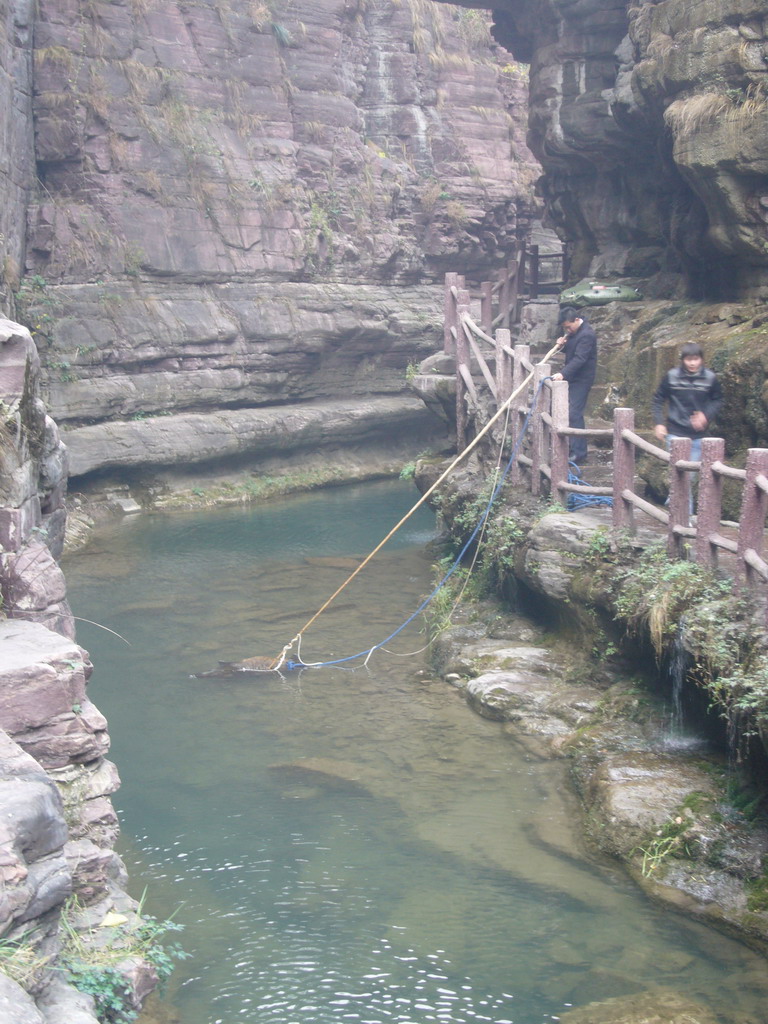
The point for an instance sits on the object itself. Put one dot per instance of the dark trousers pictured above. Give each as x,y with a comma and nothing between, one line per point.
578,393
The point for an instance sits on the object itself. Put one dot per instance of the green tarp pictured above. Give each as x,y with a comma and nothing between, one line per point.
593,293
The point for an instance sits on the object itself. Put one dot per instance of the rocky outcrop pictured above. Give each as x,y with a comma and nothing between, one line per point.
648,121
663,1004
652,796
249,204
57,823
33,482
17,157
649,798
269,433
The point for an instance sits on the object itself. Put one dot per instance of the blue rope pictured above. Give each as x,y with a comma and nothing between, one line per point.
369,651
577,501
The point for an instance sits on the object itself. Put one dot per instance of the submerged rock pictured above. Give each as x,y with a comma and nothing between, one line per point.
662,1006
326,771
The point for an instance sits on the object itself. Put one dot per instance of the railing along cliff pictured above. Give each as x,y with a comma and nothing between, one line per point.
499,311
486,361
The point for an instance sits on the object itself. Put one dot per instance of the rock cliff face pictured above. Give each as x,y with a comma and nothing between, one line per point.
57,824
17,161
649,121
247,204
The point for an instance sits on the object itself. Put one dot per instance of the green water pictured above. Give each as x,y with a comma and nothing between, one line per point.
348,843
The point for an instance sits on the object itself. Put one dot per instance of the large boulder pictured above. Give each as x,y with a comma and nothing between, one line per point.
33,868
43,701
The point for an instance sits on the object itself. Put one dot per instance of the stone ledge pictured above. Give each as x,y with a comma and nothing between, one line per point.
201,437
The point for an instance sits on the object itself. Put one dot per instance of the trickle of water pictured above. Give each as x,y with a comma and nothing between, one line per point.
679,661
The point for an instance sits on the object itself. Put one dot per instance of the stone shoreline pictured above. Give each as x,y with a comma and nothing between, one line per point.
653,799
656,801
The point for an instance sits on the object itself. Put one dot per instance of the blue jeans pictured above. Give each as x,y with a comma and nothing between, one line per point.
695,457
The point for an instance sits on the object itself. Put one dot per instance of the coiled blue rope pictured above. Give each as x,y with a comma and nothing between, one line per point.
577,501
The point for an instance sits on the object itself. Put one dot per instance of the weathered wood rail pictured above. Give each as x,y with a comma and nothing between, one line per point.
486,360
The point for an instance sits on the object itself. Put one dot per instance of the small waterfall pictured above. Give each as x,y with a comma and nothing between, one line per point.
421,137
678,665
678,662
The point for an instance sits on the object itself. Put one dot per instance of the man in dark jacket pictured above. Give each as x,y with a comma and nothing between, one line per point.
693,397
579,345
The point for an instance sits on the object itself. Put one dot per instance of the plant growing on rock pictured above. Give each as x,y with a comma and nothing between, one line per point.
600,545
20,961
95,959
757,891
36,307
504,538
668,841
282,34
457,214
429,193
656,591
475,28
439,612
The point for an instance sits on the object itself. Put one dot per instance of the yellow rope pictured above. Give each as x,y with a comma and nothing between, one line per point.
462,455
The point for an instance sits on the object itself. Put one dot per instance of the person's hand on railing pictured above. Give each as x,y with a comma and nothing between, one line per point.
561,341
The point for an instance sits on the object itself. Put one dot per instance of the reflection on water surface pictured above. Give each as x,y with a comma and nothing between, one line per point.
348,843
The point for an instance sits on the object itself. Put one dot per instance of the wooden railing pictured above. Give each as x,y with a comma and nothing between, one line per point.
522,278
499,311
706,535
485,362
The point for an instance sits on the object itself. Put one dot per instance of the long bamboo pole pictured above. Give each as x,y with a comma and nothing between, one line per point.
459,458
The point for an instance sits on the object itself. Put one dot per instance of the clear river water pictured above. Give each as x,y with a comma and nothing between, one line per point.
349,843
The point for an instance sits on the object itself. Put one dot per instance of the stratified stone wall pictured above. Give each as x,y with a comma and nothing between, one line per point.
17,160
251,204
649,121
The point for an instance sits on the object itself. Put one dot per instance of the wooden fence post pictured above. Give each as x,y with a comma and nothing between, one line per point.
519,373
623,470
505,291
534,275
710,504
519,280
486,306
462,360
754,506
449,314
558,443
539,403
679,494
503,366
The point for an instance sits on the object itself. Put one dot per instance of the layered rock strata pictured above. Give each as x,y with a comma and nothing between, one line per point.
57,823
251,204
648,119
